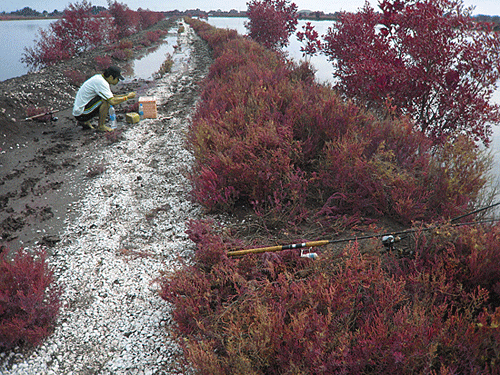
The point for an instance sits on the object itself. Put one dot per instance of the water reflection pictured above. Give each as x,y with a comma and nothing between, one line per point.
146,66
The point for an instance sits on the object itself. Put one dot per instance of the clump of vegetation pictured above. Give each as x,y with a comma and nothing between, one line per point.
349,312
427,59
29,299
267,137
96,170
80,30
113,136
103,62
75,77
165,67
271,22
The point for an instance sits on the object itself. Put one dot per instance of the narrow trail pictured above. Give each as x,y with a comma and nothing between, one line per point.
128,228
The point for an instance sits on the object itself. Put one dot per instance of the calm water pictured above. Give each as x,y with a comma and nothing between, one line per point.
14,37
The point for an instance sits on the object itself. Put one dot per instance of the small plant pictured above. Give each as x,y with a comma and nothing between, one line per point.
103,62
96,170
123,54
125,44
75,77
29,299
35,111
165,67
153,36
113,136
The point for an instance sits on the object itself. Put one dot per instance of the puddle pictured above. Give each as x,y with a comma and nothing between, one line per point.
145,67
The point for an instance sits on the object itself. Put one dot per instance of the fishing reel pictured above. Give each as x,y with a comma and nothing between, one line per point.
389,241
309,255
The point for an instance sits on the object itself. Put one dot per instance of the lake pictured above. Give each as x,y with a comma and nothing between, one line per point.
14,37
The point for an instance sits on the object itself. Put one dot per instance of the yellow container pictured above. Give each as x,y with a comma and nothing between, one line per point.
132,117
149,106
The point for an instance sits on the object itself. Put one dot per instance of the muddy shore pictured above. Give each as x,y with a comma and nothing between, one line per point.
39,169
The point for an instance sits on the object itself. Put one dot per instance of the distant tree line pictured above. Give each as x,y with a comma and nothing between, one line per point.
27,12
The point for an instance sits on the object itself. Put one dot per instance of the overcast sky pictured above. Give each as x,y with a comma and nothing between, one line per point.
489,7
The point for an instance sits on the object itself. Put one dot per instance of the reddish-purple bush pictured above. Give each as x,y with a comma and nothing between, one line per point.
125,20
80,30
430,58
103,62
346,313
75,77
149,18
265,135
122,54
77,31
263,127
29,299
271,22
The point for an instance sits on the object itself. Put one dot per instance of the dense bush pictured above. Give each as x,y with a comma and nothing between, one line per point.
29,299
265,134
271,22
434,63
80,30
346,314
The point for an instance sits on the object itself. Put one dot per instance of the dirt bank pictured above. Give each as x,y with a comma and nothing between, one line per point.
39,166
111,233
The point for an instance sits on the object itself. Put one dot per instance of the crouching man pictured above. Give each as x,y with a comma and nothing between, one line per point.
94,98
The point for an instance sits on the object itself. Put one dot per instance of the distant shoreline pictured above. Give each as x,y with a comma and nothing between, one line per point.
27,18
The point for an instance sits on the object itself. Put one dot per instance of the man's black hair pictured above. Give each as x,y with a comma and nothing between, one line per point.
113,71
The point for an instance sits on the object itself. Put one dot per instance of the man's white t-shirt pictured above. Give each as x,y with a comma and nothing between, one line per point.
92,87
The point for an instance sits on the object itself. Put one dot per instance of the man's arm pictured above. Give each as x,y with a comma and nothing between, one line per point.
121,98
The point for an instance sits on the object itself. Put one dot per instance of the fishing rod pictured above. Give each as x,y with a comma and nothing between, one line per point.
51,112
388,239
475,211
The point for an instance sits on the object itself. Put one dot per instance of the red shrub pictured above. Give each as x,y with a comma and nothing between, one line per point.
266,137
153,36
262,122
103,62
345,314
75,77
271,22
122,54
126,21
149,18
77,31
436,64
29,299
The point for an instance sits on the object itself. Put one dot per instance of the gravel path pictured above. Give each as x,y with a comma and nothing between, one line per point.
129,226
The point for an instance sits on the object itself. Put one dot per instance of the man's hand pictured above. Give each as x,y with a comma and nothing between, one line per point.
130,95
